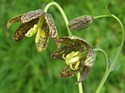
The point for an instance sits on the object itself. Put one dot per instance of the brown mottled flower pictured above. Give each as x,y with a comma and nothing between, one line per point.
32,22
80,22
78,54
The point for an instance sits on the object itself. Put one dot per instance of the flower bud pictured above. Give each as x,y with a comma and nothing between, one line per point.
80,22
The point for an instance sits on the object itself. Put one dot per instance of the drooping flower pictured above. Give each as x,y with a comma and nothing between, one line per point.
32,22
79,57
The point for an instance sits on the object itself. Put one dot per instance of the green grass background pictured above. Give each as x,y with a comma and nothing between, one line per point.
24,70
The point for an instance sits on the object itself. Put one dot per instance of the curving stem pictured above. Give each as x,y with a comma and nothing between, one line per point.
118,53
62,13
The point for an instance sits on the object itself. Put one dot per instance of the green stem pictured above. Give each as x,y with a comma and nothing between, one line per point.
62,12
106,58
122,39
118,53
122,42
79,84
106,70
101,16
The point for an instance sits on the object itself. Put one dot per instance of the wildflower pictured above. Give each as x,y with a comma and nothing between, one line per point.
32,22
78,54
80,22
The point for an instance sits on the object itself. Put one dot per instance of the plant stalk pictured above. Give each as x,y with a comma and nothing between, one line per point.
62,13
122,42
79,84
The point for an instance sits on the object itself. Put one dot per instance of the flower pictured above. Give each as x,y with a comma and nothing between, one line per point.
32,22
78,54
80,22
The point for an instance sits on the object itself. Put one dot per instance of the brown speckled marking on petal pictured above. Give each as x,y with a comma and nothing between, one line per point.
70,44
43,42
67,72
80,22
87,65
74,42
52,27
85,73
61,51
31,15
14,20
20,32
90,59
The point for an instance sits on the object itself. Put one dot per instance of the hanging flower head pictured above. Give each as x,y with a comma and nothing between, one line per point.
32,22
78,54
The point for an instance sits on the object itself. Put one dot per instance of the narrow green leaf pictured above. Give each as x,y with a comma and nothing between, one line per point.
116,63
107,10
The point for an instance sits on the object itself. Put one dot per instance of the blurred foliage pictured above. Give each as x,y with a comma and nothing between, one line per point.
23,70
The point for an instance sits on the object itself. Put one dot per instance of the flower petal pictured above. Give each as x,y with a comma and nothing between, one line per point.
31,15
61,51
67,72
52,28
14,20
90,59
42,44
42,37
75,42
87,65
71,44
22,30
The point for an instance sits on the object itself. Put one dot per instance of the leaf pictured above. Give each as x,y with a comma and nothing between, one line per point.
107,10
116,63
